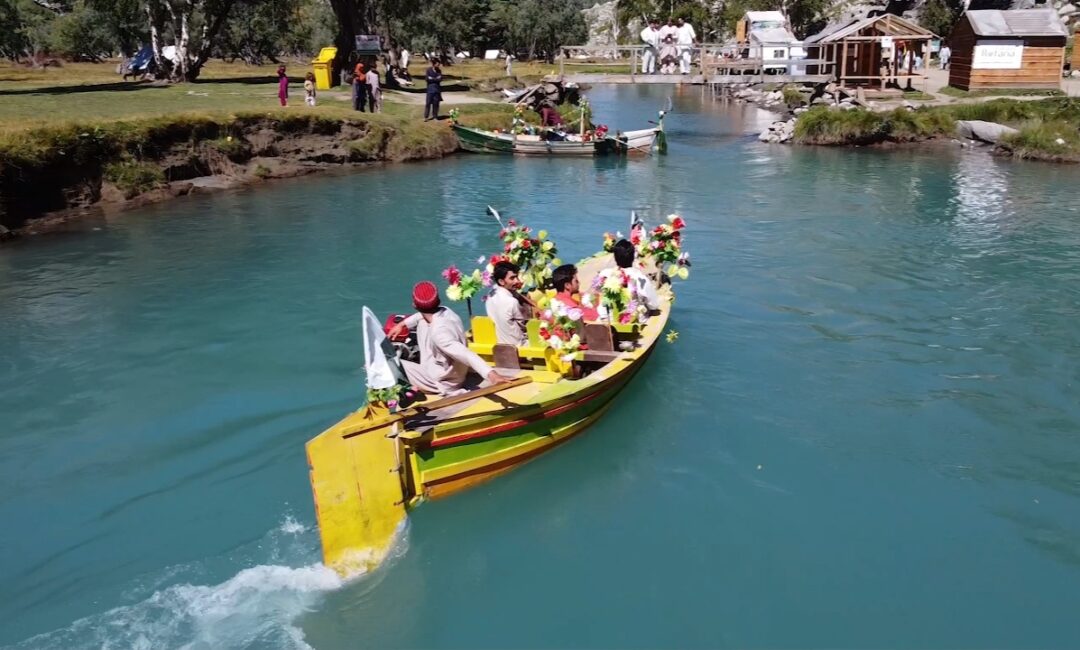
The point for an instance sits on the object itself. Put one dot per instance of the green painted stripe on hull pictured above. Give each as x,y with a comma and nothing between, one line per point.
430,459
473,449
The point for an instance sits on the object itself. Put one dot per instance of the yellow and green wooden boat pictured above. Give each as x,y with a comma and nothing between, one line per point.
373,466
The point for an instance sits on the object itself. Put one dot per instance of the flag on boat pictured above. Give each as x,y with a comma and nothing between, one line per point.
380,362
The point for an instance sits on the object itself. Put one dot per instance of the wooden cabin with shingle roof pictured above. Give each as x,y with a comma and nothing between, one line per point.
1020,48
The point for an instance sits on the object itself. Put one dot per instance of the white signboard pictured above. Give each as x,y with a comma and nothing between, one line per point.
997,55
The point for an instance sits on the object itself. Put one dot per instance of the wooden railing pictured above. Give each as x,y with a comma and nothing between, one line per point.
715,62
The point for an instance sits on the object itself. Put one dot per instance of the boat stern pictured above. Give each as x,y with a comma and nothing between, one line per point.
356,481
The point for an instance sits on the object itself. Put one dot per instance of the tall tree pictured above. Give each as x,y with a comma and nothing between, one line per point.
354,17
536,26
940,16
191,27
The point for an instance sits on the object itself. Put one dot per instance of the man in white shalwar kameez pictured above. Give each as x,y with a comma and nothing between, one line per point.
651,37
445,359
685,36
506,306
666,30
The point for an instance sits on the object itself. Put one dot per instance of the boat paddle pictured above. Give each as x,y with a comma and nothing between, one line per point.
427,407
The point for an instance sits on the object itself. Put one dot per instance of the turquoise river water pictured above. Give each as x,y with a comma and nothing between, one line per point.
866,435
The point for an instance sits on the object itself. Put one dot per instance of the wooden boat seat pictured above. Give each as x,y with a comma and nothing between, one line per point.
599,338
483,335
505,356
484,340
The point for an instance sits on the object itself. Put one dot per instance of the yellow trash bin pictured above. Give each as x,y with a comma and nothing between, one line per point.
324,68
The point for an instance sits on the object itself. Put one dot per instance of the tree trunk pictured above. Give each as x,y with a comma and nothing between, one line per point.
211,27
354,17
155,36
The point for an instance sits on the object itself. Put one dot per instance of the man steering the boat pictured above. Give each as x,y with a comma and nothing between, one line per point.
507,307
445,358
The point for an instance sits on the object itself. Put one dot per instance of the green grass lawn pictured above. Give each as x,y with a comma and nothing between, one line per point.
88,92
918,96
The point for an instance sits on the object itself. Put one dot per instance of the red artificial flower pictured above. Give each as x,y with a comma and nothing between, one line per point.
502,233
511,223
452,275
525,243
678,223
659,230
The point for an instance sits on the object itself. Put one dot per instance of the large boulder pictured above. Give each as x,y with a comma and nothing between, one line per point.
601,21
983,131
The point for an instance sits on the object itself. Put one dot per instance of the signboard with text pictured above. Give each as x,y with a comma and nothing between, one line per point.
997,55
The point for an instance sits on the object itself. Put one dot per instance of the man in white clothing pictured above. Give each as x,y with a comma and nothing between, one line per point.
641,287
506,307
651,37
686,37
667,30
445,359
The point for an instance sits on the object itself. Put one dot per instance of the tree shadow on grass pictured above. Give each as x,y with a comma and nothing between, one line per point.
126,86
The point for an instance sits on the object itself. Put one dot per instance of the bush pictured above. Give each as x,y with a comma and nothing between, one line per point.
837,127
1054,140
262,171
792,97
133,177
821,125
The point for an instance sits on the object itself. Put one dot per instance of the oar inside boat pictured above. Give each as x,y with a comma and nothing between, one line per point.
427,407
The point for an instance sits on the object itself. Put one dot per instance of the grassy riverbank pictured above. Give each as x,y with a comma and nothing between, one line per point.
1048,128
77,136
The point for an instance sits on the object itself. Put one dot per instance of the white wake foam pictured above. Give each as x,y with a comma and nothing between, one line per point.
256,608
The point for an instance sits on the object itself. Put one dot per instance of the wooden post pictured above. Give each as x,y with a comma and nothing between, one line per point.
843,61
562,64
633,64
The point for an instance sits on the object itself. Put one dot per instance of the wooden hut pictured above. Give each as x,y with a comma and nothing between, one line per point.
1021,48
871,51
1076,51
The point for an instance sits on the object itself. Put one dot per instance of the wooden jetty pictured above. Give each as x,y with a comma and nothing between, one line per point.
712,64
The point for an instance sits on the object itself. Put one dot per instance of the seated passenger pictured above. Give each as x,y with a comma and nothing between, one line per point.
641,287
445,359
506,307
549,115
565,281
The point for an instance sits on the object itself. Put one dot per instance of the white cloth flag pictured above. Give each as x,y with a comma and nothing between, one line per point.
380,363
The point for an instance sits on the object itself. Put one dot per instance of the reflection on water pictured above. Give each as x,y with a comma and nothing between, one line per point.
867,427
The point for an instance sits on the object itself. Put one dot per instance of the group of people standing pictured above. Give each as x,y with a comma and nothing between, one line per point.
366,89
668,47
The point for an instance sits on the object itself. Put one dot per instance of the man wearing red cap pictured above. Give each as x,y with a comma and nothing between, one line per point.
445,359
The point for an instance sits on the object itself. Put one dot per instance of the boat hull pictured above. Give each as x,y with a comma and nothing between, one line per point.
479,141
370,468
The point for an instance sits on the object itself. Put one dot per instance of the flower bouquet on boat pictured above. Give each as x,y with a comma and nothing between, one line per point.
554,139
448,408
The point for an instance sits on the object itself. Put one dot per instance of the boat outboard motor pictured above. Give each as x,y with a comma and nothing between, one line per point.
406,347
